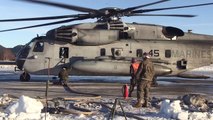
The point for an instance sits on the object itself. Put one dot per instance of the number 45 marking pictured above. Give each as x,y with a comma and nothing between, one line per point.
154,53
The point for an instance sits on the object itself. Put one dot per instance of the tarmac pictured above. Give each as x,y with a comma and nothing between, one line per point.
169,87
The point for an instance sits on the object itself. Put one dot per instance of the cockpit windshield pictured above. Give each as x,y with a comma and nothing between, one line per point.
29,44
23,53
39,46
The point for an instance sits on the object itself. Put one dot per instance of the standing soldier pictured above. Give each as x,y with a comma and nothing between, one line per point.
133,69
144,76
63,76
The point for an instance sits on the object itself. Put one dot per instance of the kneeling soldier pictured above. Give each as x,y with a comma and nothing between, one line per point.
63,76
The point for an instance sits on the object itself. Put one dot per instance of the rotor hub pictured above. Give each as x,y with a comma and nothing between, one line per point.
109,14
110,10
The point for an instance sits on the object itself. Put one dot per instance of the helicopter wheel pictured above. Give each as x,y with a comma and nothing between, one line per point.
25,77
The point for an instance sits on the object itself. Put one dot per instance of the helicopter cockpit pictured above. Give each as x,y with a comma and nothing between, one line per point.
35,45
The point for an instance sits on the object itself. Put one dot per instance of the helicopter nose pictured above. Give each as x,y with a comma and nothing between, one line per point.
21,56
20,63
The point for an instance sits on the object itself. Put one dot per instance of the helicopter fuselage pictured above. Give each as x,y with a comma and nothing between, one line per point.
94,56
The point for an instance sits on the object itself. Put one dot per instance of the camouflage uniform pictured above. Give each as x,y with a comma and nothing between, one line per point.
63,76
144,76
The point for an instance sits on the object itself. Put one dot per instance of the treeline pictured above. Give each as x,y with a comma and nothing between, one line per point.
8,54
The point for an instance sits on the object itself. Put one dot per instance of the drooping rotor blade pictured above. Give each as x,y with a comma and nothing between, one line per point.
140,6
167,15
43,18
46,24
169,8
70,7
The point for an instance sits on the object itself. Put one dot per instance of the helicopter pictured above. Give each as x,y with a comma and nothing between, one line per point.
106,47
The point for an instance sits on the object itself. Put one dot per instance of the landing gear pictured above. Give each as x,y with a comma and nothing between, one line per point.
25,77
154,82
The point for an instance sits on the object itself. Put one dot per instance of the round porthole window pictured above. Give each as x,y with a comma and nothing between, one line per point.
117,52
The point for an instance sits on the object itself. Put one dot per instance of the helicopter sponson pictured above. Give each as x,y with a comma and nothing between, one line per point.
114,67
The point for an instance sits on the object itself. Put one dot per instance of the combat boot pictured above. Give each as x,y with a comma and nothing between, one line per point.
138,104
130,95
146,104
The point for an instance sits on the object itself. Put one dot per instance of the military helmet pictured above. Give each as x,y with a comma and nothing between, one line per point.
133,60
146,55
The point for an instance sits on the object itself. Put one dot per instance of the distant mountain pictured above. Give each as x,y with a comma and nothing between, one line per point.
6,54
16,49
1,48
1,52
9,53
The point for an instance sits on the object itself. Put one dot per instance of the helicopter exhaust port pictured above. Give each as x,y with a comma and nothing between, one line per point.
172,32
64,34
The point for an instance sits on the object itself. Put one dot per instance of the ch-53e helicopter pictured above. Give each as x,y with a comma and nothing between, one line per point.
106,47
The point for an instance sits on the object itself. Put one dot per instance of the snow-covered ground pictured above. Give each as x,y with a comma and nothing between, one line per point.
7,67
26,108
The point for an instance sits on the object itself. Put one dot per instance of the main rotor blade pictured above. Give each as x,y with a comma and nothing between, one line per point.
167,15
70,7
169,8
140,6
42,18
45,24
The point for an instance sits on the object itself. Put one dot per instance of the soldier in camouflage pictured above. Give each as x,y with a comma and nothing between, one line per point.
144,76
133,69
63,76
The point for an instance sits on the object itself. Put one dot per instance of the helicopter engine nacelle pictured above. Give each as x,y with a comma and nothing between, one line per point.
95,37
84,36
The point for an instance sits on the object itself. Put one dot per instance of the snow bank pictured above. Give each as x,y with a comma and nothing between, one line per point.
25,108
5,99
25,104
173,110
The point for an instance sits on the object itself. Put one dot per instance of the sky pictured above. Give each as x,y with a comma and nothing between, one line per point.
11,9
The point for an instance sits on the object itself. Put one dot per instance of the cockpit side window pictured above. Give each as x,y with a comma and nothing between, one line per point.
39,47
64,52
139,52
